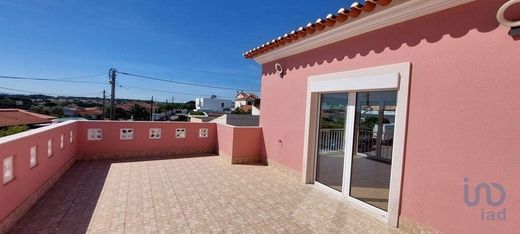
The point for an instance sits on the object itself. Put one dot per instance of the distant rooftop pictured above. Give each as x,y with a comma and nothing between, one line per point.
12,117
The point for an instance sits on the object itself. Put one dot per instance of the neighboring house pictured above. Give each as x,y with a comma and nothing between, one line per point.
401,108
245,99
213,104
70,111
128,105
86,112
13,117
256,108
90,113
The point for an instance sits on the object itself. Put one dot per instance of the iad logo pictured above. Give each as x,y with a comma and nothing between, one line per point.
491,212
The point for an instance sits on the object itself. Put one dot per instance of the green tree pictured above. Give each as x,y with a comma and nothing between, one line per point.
239,111
189,105
139,112
13,130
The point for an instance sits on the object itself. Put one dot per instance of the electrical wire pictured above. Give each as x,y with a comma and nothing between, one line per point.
184,83
50,79
166,91
50,94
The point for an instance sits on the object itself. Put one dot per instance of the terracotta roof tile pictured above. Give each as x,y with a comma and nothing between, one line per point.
331,20
12,117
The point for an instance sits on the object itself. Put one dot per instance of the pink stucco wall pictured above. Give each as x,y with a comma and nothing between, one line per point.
241,143
142,144
462,110
26,179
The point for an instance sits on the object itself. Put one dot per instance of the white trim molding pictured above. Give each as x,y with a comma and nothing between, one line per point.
407,10
388,77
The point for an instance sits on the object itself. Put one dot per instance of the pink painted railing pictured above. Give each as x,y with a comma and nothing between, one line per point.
30,167
144,139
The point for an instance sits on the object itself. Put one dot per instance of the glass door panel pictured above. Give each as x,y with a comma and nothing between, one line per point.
372,148
331,140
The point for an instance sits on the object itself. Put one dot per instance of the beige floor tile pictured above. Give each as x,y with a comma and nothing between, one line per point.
189,195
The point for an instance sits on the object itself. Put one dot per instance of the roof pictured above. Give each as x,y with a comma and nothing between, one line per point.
332,20
12,117
244,96
127,106
90,111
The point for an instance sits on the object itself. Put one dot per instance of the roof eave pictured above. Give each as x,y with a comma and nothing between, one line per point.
395,14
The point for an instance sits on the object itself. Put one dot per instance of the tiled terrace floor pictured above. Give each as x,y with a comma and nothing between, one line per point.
188,195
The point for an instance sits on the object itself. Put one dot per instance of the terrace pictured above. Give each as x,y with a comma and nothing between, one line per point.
143,177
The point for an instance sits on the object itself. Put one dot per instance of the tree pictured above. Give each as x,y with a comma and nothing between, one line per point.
139,112
240,111
165,107
189,105
13,130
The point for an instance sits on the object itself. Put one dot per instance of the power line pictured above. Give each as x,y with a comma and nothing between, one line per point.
184,83
50,79
165,91
42,93
82,77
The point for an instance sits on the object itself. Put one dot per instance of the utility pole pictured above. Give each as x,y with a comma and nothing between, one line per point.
151,111
167,107
112,75
103,110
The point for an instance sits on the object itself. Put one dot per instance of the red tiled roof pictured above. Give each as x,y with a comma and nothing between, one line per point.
127,106
90,111
244,96
355,10
11,117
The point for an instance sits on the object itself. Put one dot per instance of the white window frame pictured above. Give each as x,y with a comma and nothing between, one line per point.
381,78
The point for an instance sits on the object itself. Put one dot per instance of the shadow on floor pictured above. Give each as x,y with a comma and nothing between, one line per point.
69,205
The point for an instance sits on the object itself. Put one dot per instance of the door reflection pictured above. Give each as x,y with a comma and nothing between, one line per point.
373,144
331,140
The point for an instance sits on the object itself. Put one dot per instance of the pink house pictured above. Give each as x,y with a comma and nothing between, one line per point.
405,109
405,112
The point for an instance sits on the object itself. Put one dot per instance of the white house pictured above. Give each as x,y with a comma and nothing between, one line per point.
245,99
213,104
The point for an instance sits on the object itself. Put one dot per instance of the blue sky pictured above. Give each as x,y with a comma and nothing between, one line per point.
183,40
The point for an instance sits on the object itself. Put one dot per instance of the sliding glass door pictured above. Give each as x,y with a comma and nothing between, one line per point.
363,131
372,148
331,140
